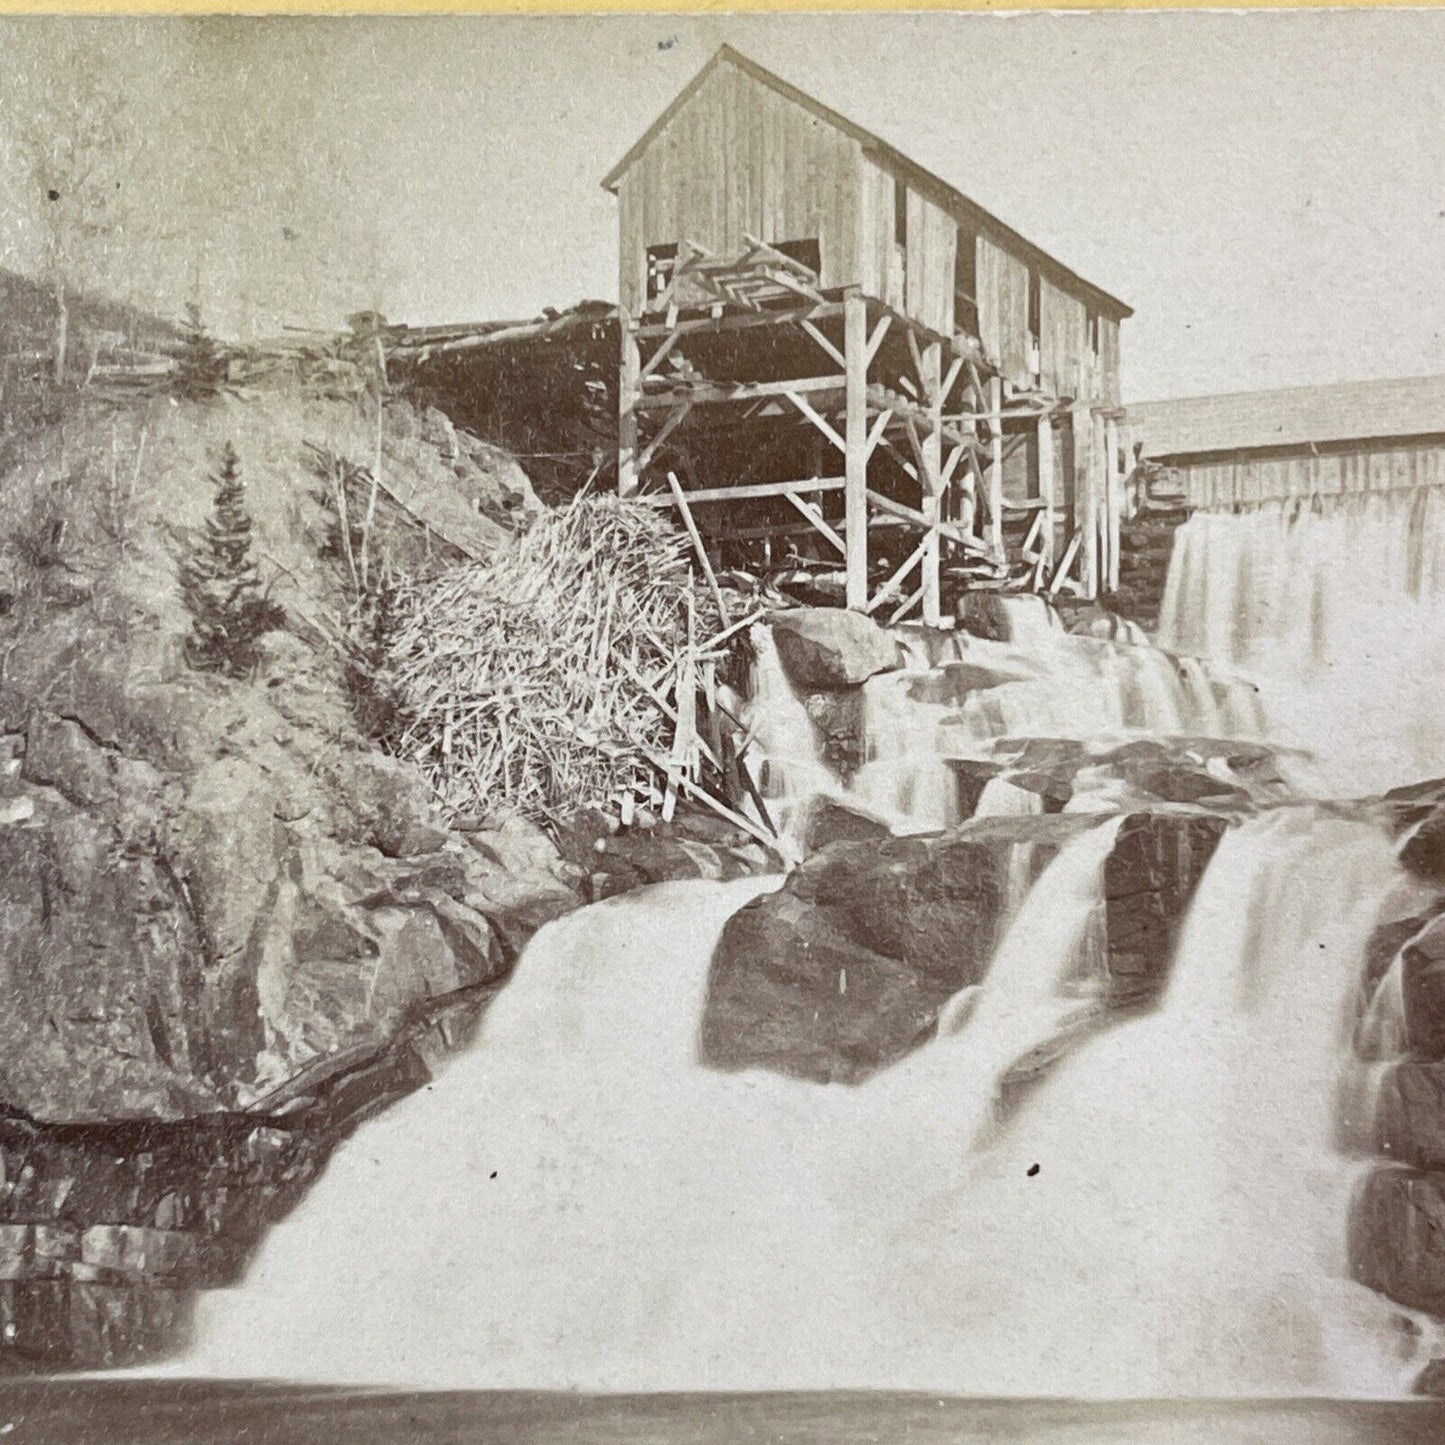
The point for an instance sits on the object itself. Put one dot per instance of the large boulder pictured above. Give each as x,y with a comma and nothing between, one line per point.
1397,1237
1423,851
828,647
1423,960
845,968
1149,879
1410,1114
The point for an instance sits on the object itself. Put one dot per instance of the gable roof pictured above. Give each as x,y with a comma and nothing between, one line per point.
922,180
1291,416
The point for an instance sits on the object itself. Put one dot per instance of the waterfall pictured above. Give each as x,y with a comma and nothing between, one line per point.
577,1202
785,754
1335,608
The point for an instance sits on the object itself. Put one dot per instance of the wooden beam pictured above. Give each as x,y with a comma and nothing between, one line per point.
1065,563
891,586
858,349
875,435
931,467
1113,503
707,393
680,500
1086,499
1046,488
628,390
902,610
822,423
820,524
995,469
659,356
749,491
876,339
742,321
670,424
823,341
953,533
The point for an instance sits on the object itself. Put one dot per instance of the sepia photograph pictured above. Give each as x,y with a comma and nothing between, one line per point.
722,728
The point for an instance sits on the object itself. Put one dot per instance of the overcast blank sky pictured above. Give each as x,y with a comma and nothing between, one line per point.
1267,191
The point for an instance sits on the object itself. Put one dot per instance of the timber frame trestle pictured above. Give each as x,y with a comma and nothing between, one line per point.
910,431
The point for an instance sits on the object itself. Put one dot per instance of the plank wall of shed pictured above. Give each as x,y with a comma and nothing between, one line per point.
739,159
1392,465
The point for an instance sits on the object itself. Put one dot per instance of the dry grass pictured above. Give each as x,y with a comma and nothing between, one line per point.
550,678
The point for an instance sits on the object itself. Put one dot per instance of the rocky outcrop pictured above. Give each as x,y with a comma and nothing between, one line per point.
1157,861
845,969
1423,961
827,647
1397,1237
1410,1114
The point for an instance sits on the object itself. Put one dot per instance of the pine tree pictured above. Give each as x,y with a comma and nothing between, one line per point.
201,365
221,586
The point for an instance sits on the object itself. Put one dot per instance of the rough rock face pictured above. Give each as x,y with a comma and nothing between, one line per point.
845,968
1410,1115
826,647
1397,1237
1157,862
1146,542
1423,851
207,884
1424,982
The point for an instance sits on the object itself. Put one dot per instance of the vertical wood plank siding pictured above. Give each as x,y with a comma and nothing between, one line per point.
1390,466
1063,326
1003,311
739,159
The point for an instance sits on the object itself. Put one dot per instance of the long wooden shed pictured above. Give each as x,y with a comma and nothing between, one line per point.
1240,448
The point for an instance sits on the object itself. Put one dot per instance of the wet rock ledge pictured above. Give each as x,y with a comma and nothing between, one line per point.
844,970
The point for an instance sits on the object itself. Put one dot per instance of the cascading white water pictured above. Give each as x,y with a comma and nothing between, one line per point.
1335,608
578,1203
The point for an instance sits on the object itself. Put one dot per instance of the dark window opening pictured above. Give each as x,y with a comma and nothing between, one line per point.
805,253
661,263
965,283
1036,304
900,212
1095,333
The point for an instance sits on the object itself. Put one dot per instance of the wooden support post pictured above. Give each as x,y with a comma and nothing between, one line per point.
931,455
1086,499
629,389
1113,503
995,467
1046,491
855,343
1099,476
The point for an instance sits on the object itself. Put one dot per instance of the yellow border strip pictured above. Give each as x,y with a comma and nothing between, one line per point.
671,7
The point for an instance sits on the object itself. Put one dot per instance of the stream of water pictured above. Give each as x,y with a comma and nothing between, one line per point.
576,1203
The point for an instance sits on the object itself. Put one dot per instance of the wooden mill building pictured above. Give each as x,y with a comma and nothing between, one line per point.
832,360
1234,450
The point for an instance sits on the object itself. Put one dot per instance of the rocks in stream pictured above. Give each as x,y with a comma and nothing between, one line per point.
1397,1237
827,647
1410,1114
845,969
1423,962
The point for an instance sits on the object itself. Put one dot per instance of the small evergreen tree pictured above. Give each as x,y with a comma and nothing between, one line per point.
201,366
221,586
